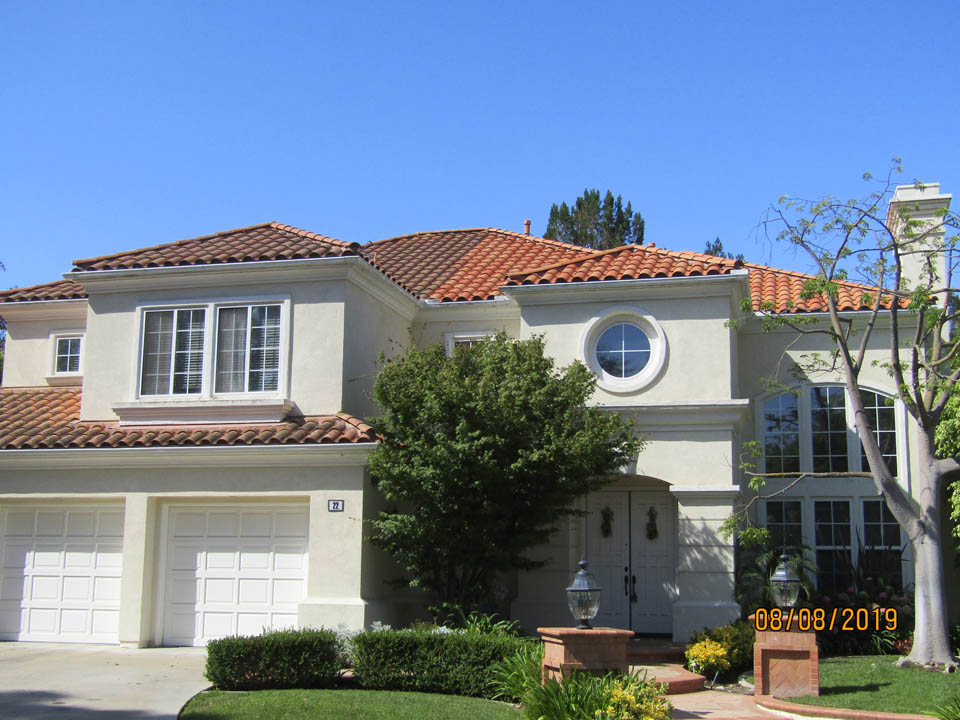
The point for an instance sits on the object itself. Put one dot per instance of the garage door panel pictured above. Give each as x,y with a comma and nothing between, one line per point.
81,524
19,523
255,558
110,557
190,524
77,589
75,622
247,573
291,524
221,559
256,524
15,556
62,583
223,525
11,587
110,524
51,524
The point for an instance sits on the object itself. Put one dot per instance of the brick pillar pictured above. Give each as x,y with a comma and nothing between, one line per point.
786,664
597,651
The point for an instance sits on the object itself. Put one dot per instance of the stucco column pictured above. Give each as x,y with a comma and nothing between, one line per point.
139,568
705,568
335,552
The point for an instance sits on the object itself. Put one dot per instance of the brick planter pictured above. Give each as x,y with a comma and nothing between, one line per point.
596,651
786,664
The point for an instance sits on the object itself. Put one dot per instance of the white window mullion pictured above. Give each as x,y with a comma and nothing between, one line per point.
210,329
246,355
173,351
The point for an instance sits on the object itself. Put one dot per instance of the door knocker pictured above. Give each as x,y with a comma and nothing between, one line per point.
652,525
606,522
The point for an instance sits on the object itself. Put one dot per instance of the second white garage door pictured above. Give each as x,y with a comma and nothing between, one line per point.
233,571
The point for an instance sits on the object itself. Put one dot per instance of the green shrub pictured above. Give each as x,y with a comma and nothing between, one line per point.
457,663
707,657
513,675
737,639
277,659
585,697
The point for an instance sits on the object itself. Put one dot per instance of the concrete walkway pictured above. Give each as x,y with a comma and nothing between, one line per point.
716,705
97,682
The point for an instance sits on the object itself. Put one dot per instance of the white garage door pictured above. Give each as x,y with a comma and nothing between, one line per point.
60,574
233,571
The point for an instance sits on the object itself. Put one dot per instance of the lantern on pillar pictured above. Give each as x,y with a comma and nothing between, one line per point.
583,597
785,583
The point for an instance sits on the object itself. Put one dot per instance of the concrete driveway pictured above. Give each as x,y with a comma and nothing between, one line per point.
97,682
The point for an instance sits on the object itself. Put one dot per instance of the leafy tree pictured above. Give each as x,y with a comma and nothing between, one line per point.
481,455
595,224
948,445
715,248
897,255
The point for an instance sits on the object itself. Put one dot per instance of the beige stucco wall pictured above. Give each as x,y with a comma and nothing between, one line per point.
371,328
698,363
426,331
315,365
29,350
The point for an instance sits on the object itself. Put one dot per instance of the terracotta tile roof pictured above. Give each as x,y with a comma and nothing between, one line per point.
40,418
628,262
782,288
56,290
267,241
471,264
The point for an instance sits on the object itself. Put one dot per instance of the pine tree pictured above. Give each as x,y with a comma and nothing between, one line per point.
715,248
595,224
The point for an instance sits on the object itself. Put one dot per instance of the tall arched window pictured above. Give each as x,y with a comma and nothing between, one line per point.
844,522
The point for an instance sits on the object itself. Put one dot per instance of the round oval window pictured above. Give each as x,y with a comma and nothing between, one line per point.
623,350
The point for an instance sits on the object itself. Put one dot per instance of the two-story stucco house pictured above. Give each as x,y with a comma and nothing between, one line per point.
182,444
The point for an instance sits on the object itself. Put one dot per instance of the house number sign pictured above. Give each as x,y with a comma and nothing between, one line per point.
334,505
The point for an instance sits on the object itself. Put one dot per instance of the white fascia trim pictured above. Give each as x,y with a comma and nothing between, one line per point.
718,414
190,457
179,276
44,310
500,308
754,326
550,293
691,491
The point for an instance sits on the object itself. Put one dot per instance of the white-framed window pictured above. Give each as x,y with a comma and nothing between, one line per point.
841,533
65,364
626,348
812,429
464,338
213,350
66,359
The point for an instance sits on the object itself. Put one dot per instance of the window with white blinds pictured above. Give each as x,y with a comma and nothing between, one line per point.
177,357
248,349
172,352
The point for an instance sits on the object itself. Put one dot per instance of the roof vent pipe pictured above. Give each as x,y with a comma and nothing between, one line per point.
526,227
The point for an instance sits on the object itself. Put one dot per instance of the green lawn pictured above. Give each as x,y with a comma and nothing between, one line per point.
871,682
342,705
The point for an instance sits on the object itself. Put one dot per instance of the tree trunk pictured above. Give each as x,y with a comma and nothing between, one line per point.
931,639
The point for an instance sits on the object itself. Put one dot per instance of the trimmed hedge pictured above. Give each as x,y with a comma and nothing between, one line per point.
275,660
455,663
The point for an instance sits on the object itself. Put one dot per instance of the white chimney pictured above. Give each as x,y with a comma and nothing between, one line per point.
925,253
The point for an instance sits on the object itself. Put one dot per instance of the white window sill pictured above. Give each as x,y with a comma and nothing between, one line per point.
64,380
171,411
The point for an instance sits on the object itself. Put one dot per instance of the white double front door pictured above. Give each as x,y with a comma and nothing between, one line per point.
631,544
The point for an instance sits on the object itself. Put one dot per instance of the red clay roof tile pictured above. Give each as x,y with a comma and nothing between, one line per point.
782,288
457,265
56,290
267,241
43,418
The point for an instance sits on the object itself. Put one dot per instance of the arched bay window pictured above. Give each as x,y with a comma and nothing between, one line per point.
843,521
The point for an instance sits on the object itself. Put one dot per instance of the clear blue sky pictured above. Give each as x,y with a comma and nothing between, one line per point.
124,124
